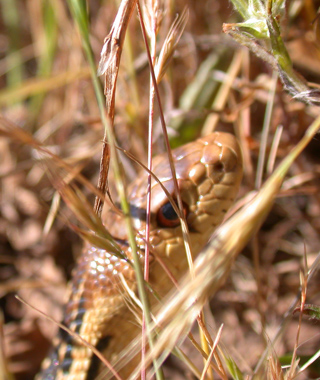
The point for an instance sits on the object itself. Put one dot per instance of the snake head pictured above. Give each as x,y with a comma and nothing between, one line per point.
208,172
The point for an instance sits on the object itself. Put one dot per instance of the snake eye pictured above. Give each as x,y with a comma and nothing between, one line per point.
167,217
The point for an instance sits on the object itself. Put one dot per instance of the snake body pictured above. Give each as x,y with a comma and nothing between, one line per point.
209,173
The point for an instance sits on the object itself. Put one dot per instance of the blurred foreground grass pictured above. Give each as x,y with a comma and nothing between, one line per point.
46,89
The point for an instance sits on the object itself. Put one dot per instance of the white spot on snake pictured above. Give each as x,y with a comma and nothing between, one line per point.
93,264
100,268
192,172
107,261
110,267
115,272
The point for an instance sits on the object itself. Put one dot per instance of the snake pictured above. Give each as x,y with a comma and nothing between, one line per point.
99,308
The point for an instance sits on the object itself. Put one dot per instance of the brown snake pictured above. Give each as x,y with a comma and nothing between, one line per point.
209,172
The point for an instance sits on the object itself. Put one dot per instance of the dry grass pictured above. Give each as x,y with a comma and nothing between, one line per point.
51,123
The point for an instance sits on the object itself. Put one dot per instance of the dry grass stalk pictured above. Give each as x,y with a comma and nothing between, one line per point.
170,44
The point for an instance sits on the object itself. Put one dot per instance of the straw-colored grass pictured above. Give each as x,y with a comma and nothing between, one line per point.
169,74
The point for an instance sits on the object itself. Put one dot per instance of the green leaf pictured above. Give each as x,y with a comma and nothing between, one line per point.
233,369
312,311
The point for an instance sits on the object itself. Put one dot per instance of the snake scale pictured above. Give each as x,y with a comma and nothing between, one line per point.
209,173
